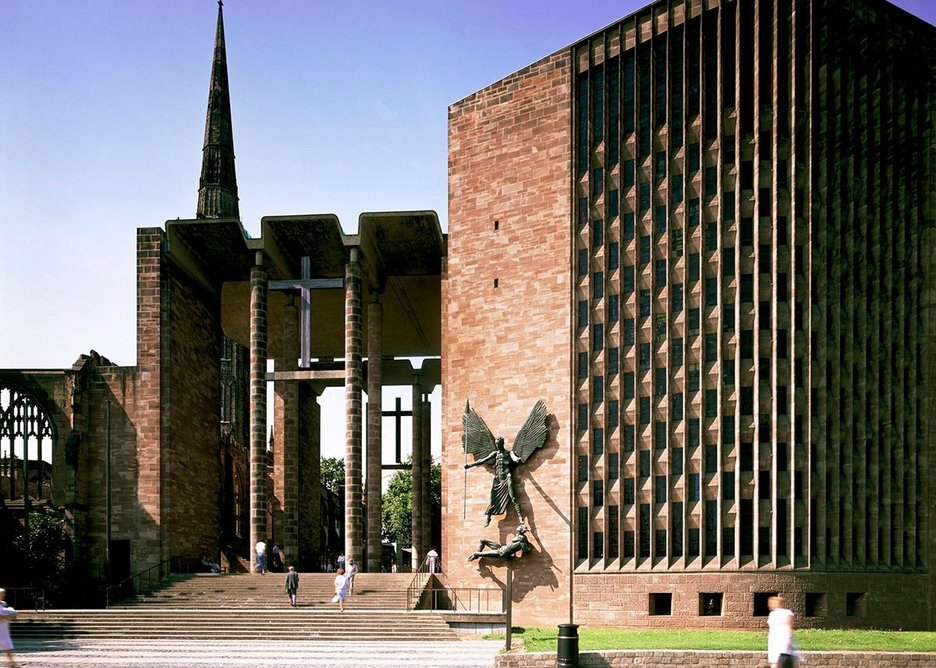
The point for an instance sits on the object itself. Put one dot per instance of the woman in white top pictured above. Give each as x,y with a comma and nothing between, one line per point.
341,589
780,652
6,614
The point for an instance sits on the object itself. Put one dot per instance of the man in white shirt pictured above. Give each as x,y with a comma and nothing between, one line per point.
780,652
261,557
432,556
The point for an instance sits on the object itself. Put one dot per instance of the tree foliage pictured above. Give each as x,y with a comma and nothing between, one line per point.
396,513
333,473
43,552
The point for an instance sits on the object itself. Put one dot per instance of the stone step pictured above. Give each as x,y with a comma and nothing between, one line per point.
372,591
237,625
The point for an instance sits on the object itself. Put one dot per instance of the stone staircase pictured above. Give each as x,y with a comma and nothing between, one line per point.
372,591
248,607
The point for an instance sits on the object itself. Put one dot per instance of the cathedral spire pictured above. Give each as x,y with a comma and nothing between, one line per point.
217,187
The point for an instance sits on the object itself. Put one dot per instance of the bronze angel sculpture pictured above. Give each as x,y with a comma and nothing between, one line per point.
480,442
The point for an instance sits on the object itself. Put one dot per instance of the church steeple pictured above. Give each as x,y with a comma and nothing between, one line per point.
217,187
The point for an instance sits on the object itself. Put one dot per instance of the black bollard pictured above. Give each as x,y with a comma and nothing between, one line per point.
567,650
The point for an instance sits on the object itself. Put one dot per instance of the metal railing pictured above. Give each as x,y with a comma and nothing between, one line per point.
135,584
489,600
21,598
438,596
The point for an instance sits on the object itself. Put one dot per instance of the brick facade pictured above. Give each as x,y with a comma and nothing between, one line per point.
506,324
746,189
678,659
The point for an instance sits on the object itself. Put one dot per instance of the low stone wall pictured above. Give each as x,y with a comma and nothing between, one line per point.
678,659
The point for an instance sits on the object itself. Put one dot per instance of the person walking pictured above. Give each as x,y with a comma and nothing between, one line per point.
292,585
261,557
352,571
433,557
7,613
341,589
780,650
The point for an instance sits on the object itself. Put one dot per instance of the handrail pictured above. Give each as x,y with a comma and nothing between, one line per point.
134,583
17,597
459,599
416,587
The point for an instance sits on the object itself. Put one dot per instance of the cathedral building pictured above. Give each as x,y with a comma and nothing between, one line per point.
704,235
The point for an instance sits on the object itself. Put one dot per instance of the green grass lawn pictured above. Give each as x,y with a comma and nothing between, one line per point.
591,639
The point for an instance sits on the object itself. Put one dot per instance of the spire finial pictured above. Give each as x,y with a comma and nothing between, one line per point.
217,188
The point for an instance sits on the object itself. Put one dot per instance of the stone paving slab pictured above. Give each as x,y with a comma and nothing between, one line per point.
176,654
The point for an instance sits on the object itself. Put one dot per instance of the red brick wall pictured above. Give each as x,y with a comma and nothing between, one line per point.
677,658
506,346
194,437
174,412
605,599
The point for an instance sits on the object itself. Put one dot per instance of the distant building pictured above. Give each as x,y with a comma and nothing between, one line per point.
704,235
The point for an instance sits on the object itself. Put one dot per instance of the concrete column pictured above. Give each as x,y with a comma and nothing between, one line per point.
374,433
353,387
420,486
286,448
258,404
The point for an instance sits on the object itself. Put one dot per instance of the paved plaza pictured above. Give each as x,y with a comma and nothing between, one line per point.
91,653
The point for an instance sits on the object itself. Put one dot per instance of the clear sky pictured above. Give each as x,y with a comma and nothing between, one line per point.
338,106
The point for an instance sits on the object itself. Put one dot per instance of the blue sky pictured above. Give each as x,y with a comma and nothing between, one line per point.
338,106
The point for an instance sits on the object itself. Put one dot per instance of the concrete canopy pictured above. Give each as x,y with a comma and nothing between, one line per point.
401,257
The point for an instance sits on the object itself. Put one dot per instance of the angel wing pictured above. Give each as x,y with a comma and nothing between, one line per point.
532,434
476,437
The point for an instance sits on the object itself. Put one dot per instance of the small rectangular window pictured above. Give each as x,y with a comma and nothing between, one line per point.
627,332
659,384
728,262
728,371
659,274
627,226
598,285
583,468
644,356
694,266
676,406
711,292
598,493
676,298
711,403
644,464
659,219
644,410
695,487
676,462
597,337
676,353
693,324
614,309
644,250
614,255
613,466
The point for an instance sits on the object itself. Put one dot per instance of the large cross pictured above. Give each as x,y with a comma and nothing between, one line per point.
398,416
305,285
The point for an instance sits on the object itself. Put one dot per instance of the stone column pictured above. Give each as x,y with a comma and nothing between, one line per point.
419,479
258,404
374,433
353,387
286,449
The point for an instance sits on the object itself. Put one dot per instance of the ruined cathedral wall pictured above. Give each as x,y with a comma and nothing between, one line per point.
177,408
194,438
506,325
